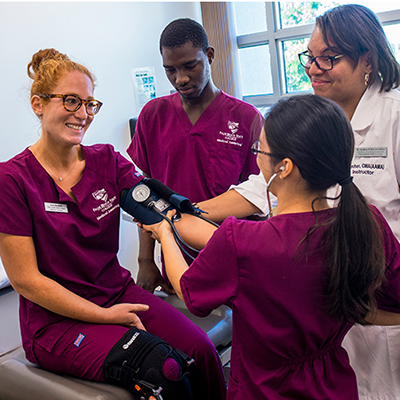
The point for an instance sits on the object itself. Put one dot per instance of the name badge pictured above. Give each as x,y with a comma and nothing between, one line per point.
56,207
371,152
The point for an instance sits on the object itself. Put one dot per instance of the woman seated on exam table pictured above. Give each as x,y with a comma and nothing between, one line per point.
59,240
298,281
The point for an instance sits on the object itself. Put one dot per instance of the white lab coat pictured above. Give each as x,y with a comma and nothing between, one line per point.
374,351
255,191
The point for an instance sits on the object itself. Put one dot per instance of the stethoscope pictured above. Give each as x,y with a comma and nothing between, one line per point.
283,168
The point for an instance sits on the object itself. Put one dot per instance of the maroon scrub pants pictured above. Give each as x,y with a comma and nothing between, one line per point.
82,348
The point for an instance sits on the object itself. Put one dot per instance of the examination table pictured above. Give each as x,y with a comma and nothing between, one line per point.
22,380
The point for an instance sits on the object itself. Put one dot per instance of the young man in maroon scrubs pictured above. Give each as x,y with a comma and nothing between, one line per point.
198,140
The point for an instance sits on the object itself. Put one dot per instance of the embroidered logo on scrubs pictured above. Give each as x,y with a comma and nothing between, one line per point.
79,339
233,126
107,206
231,137
100,194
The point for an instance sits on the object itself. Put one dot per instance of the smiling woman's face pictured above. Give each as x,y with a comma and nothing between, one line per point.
60,125
343,84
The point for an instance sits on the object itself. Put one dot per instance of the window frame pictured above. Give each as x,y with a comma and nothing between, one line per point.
274,38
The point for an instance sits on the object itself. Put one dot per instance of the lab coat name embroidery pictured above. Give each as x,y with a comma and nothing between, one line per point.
366,169
107,206
231,137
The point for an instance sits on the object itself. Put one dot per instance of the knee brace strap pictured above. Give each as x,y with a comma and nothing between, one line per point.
145,364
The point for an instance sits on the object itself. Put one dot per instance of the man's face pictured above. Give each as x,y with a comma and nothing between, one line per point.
188,69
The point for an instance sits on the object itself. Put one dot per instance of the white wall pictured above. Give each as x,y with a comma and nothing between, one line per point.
108,38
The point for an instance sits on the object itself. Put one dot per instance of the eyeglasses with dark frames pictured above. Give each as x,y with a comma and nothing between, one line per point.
72,102
325,63
256,149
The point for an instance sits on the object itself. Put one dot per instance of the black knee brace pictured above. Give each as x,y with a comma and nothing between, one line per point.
146,365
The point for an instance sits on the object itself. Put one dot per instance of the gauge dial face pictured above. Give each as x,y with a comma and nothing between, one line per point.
141,193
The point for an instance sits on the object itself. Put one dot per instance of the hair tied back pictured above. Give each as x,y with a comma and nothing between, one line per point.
346,181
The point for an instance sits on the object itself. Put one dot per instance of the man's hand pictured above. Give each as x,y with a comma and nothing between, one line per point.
149,277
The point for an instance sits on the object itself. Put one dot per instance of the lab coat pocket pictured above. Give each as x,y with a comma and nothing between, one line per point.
393,338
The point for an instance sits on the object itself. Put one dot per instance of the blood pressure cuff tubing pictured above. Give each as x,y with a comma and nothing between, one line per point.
146,365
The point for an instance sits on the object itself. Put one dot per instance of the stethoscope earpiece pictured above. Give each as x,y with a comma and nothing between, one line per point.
283,168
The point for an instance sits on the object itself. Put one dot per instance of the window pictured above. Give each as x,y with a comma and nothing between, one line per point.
271,34
257,60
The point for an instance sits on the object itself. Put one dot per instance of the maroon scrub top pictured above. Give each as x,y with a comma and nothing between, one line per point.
285,345
76,242
198,161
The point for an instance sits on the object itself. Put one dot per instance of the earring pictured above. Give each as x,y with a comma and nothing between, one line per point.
39,114
366,78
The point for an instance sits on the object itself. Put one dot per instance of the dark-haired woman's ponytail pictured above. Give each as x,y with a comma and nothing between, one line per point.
357,263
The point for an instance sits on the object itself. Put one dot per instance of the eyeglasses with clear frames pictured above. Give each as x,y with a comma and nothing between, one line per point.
325,63
72,102
256,149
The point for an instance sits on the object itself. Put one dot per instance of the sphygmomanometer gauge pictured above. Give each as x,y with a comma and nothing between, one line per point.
141,193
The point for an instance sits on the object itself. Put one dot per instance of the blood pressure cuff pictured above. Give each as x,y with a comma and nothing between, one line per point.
150,199
146,365
179,202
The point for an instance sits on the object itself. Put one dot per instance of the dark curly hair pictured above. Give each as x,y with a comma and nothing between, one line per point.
183,30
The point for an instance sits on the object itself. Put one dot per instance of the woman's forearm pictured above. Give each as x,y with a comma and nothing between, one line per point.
19,258
175,264
227,204
197,232
194,231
